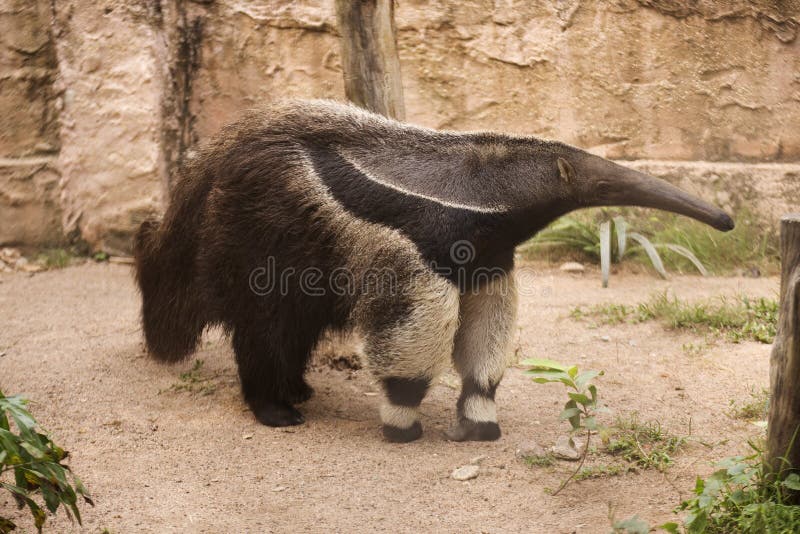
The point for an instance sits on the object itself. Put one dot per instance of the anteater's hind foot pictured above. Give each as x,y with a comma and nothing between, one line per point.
467,430
300,392
277,414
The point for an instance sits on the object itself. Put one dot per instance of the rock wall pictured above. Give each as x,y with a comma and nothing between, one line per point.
109,98
30,210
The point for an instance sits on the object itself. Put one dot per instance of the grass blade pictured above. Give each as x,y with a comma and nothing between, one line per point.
686,253
651,251
605,251
621,227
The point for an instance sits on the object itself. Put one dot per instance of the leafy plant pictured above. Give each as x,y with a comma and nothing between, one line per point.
608,242
37,465
743,496
581,409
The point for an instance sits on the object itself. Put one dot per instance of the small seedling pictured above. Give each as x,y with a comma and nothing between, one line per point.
37,465
193,381
581,409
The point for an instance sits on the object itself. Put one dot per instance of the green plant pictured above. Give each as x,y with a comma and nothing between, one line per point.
37,465
608,242
100,256
54,258
743,496
581,409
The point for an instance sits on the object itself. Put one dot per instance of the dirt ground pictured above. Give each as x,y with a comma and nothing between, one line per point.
162,459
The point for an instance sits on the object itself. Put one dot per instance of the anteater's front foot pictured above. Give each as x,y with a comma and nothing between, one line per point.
277,414
396,434
467,430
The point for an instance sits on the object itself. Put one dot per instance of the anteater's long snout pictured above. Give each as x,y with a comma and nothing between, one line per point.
615,185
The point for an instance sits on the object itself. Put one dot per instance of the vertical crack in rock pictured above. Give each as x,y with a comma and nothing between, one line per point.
184,41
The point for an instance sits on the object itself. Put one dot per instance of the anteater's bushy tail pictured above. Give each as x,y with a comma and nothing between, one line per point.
173,315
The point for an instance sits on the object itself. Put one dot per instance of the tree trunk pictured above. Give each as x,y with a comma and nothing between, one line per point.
783,445
369,56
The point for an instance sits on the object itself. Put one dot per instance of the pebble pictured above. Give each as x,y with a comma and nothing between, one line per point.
465,472
478,459
572,267
565,449
605,338
528,449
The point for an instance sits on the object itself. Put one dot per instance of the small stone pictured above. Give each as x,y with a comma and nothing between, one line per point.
20,263
632,343
572,267
528,449
478,459
247,436
465,472
565,449
276,489
605,339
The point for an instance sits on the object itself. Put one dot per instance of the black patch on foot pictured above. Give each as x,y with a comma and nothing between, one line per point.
275,414
395,434
300,394
405,391
468,430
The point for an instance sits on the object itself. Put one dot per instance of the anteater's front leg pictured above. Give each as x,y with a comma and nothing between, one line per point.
408,342
480,355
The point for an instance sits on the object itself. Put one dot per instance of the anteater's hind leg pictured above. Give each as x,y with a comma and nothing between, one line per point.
408,340
480,356
271,364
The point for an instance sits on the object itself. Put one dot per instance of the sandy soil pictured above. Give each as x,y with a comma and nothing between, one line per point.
160,460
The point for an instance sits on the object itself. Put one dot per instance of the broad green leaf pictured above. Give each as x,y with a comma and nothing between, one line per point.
569,413
671,527
590,423
792,482
580,398
584,378
542,363
573,371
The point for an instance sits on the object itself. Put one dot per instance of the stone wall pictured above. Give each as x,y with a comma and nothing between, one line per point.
100,102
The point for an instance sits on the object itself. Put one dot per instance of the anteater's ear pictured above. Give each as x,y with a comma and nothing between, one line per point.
566,170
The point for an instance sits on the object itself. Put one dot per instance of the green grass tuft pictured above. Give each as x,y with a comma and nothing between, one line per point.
737,319
644,445
753,409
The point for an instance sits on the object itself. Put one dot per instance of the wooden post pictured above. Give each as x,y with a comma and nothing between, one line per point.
369,56
783,438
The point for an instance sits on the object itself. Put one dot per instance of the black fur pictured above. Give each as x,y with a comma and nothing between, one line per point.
405,391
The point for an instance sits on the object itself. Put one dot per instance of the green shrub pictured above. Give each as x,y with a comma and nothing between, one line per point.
36,465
